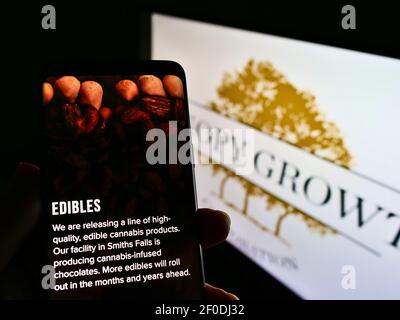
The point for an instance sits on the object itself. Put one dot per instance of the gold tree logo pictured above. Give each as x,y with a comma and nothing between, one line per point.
261,97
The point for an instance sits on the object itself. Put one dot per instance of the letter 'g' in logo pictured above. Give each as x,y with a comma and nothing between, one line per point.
49,18
349,278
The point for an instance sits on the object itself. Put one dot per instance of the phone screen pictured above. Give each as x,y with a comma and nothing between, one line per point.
118,186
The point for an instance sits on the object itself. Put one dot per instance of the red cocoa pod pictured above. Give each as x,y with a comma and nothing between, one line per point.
91,117
173,85
74,121
134,114
151,85
91,93
80,125
106,113
127,90
158,106
67,88
80,120
48,92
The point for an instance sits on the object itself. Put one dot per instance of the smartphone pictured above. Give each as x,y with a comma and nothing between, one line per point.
118,189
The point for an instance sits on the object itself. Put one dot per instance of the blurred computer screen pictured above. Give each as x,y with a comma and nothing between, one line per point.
320,209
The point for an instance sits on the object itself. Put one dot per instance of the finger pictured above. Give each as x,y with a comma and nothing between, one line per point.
48,92
127,89
19,210
151,85
213,293
67,88
173,85
213,227
91,93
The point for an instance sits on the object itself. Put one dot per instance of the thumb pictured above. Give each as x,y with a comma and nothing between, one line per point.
214,293
19,210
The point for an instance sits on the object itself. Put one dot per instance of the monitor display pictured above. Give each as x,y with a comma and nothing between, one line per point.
319,208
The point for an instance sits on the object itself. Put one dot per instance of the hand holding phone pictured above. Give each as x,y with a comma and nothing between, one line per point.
21,201
119,201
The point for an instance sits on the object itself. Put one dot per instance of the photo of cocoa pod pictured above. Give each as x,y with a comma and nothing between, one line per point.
96,144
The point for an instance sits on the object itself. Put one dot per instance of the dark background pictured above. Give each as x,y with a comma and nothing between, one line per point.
116,30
